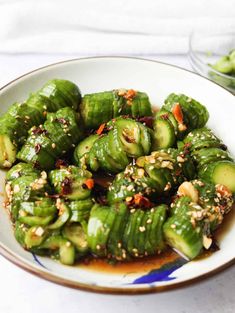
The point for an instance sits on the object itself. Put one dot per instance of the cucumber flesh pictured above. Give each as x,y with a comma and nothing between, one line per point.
224,173
75,233
164,134
7,152
183,237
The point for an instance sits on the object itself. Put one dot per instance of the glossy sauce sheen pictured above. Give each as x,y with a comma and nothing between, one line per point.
139,265
146,264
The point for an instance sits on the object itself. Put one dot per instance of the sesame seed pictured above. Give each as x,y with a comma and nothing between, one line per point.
39,231
142,229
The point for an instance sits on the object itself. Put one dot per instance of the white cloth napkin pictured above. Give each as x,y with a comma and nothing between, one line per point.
108,26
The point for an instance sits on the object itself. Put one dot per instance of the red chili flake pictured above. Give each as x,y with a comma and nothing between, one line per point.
36,165
61,163
90,183
174,198
165,116
37,148
55,196
100,129
177,112
178,172
62,120
66,186
130,94
39,131
102,200
147,120
187,147
142,201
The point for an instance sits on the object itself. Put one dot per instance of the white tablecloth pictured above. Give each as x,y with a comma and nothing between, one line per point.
21,292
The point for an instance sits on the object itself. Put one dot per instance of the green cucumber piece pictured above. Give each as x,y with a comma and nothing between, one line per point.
80,210
182,236
116,149
115,241
220,172
99,226
35,220
63,217
70,182
164,134
129,134
156,234
75,234
21,169
205,156
41,207
65,247
84,147
7,151
34,236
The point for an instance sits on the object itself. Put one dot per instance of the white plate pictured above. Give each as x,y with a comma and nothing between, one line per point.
158,80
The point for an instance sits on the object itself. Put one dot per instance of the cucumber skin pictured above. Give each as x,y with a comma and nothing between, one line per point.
202,138
195,114
154,179
161,125
115,233
45,157
101,107
183,234
207,173
75,177
22,116
205,156
112,152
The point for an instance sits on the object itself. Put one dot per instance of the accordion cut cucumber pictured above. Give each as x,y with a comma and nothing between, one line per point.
202,138
205,156
20,117
116,233
195,115
152,175
98,108
174,178
46,143
112,152
71,182
80,209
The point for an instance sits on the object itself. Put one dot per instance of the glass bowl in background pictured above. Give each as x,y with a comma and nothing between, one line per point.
205,49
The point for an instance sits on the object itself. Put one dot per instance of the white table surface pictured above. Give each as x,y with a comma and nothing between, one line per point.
22,292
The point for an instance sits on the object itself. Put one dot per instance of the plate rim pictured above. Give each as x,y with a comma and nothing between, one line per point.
7,254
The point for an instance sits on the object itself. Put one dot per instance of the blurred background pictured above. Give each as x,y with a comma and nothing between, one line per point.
36,33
